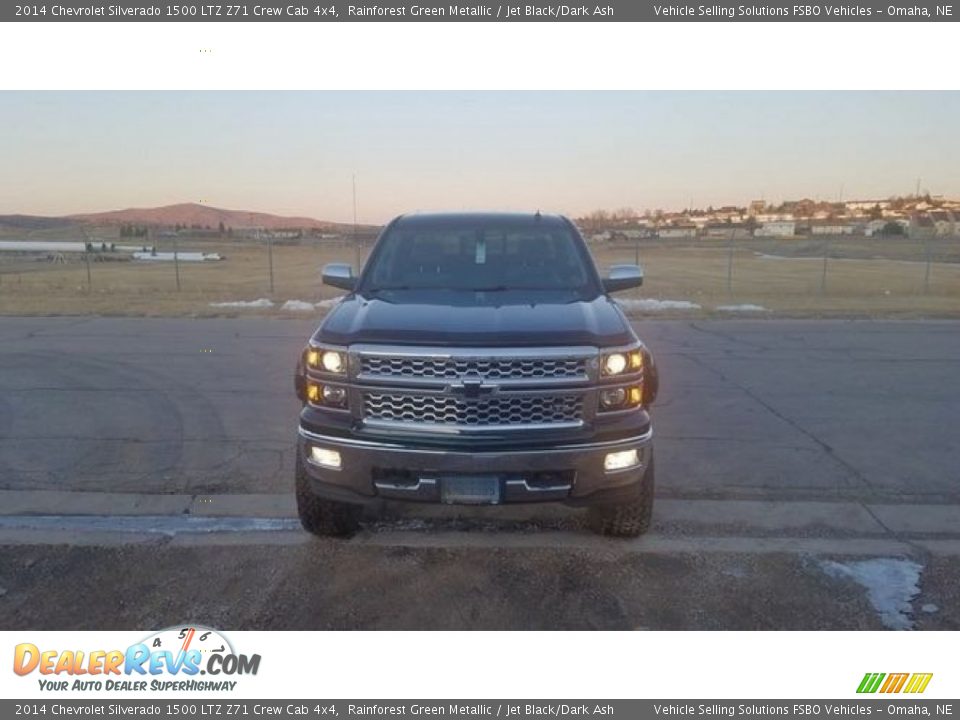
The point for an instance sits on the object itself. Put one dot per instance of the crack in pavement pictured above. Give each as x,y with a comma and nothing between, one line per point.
825,446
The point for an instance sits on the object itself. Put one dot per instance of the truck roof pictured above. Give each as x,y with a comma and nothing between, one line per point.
414,220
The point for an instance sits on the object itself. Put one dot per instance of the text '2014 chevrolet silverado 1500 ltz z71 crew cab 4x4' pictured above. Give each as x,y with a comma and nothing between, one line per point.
477,359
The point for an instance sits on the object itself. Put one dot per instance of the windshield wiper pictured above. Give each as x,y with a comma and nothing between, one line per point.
383,288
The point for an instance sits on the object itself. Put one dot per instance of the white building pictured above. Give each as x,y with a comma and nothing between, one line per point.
675,232
777,228
832,228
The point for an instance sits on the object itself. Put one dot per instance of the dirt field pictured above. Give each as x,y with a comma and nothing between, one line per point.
864,278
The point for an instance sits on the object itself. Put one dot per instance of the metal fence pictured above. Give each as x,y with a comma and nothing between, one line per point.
825,272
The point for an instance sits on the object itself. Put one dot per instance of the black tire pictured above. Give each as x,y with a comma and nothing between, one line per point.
326,518
627,519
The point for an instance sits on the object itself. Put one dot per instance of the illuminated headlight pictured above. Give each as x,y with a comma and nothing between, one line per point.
331,361
622,460
621,362
615,363
325,458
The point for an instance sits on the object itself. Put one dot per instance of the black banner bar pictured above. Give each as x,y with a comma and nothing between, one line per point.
446,11
211,706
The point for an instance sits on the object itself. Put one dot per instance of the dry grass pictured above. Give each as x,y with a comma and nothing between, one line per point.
864,278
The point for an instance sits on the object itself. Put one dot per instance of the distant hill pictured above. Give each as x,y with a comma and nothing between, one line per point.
34,222
194,214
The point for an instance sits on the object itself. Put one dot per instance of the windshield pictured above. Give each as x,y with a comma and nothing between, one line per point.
474,256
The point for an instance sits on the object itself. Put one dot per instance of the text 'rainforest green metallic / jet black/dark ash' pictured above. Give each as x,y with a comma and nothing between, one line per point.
478,359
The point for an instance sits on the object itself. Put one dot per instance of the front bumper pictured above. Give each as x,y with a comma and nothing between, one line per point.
572,473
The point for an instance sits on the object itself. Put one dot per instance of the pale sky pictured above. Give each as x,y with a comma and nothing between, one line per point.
294,153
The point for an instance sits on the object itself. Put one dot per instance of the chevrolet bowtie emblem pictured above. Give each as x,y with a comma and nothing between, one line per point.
472,388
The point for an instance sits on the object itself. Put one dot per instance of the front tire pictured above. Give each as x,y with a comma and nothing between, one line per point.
325,518
627,519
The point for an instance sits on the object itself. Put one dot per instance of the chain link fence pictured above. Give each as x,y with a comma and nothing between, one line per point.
851,275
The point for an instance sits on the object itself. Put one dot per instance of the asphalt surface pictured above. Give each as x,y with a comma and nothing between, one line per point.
154,457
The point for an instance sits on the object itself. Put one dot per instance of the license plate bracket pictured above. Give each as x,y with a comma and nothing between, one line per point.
470,490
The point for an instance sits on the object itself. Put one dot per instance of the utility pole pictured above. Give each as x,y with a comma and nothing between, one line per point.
86,257
176,259
823,276
270,259
730,263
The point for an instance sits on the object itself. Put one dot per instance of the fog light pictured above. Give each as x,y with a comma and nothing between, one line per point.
621,460
325,458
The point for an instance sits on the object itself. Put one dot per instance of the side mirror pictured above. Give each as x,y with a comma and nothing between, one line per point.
339,275
623,277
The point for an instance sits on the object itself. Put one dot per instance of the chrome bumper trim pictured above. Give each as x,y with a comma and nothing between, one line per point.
378,445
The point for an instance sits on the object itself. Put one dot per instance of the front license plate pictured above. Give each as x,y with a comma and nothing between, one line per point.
470,490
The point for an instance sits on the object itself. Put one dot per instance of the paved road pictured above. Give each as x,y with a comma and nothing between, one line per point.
762,409
809,477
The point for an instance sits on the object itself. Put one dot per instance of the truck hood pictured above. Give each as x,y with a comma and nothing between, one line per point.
476,319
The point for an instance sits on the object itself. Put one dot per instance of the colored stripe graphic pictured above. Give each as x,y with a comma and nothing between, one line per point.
870,682
918,682
894,683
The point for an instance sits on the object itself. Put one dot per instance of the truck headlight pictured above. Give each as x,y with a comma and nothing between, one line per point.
621,398
329,395
330,361
619,363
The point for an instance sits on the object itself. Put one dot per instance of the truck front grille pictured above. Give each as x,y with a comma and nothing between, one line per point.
486,368
446,410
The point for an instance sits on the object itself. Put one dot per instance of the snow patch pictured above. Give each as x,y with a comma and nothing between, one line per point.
745,307
655,305
929,608
180,256
891,584
260,303
297,306
330,302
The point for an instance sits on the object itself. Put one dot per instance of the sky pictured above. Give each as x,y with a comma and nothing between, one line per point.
297,153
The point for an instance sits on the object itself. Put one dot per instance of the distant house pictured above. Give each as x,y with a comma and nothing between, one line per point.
776,228
860,206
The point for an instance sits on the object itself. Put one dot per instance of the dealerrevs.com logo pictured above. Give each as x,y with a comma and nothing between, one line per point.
183,658
894,682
